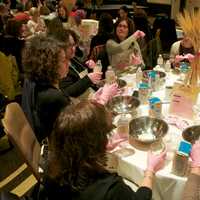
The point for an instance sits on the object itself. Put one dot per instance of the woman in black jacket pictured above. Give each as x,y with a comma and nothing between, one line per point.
78,80
77,158
44,64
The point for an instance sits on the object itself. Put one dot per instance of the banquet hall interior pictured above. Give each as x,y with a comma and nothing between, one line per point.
138,59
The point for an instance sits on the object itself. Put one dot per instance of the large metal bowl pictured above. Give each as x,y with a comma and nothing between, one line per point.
147,130
191,134
123,104
162,76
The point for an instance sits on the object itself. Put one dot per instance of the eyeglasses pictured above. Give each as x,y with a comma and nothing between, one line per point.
71,45
122,26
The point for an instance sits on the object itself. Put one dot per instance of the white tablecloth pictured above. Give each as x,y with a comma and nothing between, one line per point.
167,185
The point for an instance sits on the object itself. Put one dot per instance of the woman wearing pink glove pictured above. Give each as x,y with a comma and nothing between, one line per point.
123,45
154,163
77,164
105,93
78,80
192,187
181,51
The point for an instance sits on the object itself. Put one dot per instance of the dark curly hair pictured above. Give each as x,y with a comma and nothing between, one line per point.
41,59
78,144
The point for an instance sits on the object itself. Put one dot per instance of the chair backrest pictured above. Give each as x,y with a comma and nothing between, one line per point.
22,136
99,53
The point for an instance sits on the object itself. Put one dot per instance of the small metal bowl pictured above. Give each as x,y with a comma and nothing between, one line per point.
123,104
147,130
191,134
121,83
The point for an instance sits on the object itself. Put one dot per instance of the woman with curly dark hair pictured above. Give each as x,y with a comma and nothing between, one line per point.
44,64
77,158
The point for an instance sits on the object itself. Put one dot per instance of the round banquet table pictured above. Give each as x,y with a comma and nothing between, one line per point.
166,185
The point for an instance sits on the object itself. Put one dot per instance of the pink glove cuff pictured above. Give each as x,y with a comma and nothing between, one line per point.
150,168
195,164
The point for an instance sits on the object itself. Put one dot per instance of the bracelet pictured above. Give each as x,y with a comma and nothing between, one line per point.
149,174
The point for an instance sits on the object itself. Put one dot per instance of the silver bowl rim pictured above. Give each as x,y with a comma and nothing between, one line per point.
157,138
123,96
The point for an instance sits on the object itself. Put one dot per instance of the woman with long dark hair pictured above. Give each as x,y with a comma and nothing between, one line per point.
77,158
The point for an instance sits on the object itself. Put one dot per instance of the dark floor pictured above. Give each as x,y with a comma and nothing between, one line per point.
12,169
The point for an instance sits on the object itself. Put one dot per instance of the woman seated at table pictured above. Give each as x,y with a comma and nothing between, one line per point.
123,50
78,80
77,158
179,49
192,187
36,24
45,64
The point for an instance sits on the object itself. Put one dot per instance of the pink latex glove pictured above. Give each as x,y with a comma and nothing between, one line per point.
115,140
178,58
108,91
95,77
138,34
195,154
135,59
97,94
90,63
155,162
189,56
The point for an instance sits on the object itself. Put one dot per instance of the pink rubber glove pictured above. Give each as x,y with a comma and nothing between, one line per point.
108,91
195,154
90,63
135,59
189,56
155,162
97,95
178,58
95,77
138,34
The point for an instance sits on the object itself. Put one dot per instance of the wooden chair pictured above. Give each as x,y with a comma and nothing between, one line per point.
22,136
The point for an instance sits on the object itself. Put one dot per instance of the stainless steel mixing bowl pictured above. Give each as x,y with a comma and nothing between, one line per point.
147,130
123,104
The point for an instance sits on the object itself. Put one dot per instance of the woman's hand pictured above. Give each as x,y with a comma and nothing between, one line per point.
155,162
104,94
138,34
135,59
95,77
179,58
90,63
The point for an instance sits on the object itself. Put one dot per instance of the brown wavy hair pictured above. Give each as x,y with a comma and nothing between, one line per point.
41,59
78,144
131,27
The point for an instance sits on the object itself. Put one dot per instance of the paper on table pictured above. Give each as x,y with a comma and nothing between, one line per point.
183,100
